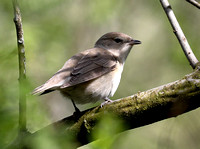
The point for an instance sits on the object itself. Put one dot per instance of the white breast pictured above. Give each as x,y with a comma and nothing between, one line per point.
104,86
116,78
98,89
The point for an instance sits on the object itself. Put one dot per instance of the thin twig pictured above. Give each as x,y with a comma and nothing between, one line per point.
22,67
194,3
179,33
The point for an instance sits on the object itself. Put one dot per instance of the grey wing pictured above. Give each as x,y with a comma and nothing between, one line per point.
93,65
57,80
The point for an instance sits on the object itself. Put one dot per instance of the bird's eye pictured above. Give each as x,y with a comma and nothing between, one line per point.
118,40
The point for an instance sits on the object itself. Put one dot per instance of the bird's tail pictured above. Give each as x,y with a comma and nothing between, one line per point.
39,90
52,84
43,89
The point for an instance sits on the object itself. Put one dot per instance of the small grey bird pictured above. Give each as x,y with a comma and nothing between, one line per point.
93,74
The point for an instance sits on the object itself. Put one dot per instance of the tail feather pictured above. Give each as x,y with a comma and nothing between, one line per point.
45,88
39,90
47,91
52,84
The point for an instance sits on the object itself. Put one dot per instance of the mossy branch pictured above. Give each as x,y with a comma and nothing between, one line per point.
137,110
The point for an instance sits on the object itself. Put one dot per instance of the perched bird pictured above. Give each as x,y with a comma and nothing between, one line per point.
93,74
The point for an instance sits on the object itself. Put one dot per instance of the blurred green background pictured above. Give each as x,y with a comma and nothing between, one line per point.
54,30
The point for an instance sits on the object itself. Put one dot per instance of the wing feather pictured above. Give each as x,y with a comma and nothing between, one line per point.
96,63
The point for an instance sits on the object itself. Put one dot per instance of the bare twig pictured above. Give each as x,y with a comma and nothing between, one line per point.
194,3
22,66
179,33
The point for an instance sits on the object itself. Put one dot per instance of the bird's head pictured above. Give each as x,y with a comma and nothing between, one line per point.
117,43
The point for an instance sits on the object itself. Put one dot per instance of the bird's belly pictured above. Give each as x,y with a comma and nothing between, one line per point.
94,90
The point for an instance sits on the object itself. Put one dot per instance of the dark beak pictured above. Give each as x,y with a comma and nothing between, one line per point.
134,42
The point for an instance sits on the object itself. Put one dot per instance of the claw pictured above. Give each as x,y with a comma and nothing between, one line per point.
107,101
75,107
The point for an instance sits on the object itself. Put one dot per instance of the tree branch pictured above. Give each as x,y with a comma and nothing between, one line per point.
137,110
194,3
22,66
179,33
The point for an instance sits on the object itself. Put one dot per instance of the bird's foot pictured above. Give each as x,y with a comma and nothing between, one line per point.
77,111
107,101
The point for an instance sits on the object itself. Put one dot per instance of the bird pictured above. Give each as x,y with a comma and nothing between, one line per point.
93,74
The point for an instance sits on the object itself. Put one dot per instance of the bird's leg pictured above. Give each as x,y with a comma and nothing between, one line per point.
107,100
77,111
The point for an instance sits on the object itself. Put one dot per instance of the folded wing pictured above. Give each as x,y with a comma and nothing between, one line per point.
96,63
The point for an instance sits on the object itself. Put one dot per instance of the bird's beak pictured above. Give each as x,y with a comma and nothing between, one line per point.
134,42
